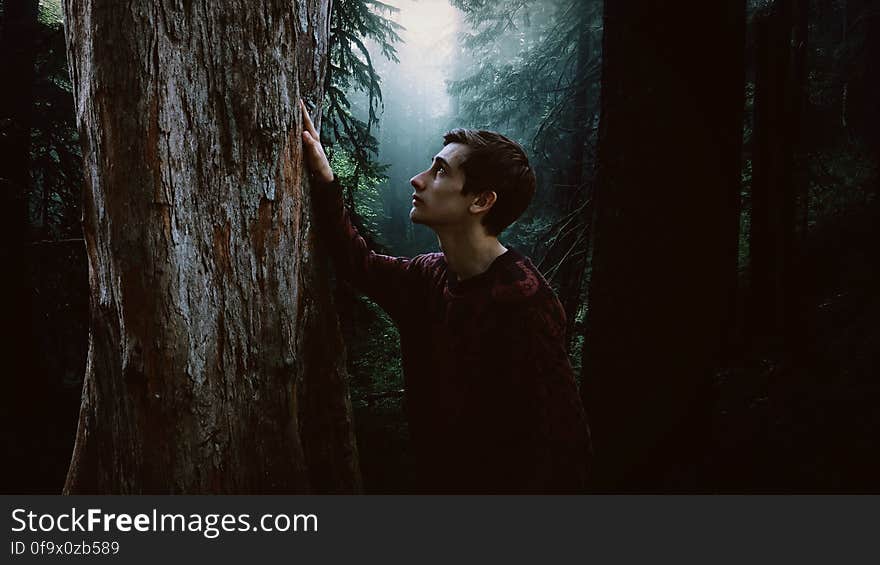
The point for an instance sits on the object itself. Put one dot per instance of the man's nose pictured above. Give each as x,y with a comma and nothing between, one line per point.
417,183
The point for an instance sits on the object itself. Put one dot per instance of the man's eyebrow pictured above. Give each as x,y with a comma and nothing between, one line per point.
443,162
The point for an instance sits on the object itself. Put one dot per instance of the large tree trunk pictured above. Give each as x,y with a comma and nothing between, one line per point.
215,362
665,236
780,75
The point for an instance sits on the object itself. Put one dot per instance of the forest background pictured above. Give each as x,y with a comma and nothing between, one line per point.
706,211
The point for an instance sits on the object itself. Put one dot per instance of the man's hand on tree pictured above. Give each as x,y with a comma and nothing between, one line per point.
316,159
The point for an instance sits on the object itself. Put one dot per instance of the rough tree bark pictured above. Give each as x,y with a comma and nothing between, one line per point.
664,236
215,362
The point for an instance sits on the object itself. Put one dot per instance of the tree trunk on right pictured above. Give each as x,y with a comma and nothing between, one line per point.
665,236
779,96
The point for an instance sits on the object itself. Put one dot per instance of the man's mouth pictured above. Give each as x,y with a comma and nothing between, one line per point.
416,199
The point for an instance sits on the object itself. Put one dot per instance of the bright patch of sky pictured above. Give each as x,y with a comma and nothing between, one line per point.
426,53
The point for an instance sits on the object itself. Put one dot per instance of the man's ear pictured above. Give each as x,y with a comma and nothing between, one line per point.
483,202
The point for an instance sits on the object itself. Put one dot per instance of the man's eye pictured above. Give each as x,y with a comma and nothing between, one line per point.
441,170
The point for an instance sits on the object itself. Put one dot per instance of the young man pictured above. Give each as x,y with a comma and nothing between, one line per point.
491,401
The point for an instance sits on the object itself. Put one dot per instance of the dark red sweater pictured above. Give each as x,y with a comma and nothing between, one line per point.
491,400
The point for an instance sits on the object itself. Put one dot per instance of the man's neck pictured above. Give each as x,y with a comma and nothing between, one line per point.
469,252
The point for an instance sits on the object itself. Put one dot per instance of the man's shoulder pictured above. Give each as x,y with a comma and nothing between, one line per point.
530,305
428,267
520,281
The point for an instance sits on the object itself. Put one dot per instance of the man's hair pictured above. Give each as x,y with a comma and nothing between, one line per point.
499,164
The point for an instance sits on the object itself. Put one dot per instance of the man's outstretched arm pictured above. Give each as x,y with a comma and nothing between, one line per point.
390,281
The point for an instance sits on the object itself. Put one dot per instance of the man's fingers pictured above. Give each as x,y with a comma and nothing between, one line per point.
307,120
315,156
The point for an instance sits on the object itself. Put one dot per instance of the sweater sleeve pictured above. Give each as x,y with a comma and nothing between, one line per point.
390,281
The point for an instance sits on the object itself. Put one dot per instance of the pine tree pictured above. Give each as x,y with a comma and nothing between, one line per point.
351,70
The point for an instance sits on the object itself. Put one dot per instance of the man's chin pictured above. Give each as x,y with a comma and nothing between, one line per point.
414,217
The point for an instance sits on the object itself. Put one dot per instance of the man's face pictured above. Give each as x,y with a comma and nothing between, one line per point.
437,199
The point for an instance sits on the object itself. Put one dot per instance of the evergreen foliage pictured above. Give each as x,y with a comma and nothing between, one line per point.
56,158
525,74
352,24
